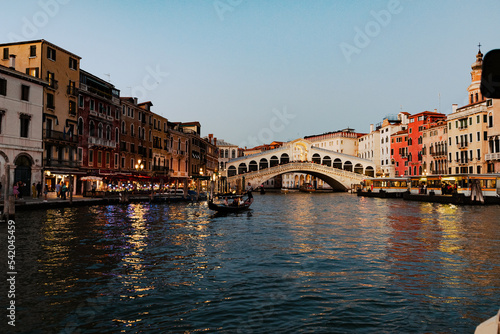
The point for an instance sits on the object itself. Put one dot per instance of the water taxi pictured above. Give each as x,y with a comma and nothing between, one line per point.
456,188
384,187
307,188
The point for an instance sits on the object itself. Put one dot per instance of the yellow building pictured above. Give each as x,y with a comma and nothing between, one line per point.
468,129
61,69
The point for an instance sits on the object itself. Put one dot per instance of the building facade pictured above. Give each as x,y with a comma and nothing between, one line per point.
435,148
61,69
21,110
98,129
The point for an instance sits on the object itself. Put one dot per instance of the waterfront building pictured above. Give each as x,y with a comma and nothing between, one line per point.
61,69
135,147
493,154
98,131
468,128
21,110
416,124
342,141
369,148
435,148
399,152
391,124
161,142
227,151
212,163
179,159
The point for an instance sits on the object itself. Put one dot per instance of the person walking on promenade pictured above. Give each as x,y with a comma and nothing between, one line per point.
33,190
58,189
64,189
38,189
16,190
93,189
45,192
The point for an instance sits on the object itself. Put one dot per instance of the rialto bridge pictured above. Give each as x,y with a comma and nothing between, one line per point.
338,170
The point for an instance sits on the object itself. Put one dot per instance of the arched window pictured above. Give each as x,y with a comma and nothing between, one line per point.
80,126
117,135
132,130
123,126
99,130
108,132
91,129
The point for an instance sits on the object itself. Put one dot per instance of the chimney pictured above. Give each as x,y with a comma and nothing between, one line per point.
435,110
371,128
12,62
215,141
135,100
454,107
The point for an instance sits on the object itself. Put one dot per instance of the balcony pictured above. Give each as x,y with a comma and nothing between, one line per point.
463,144
60,136
161,169
93,141
492,156
53,84
71,90
51,162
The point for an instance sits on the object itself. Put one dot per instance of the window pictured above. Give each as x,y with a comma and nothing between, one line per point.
470,137
478,154
99,130
91,157
91,129
50,101
25,93
80,154
2,113
5,53
51,79
99,158
72,63
485,118
3,87
108,159
51,53
132,130
470,120
123,110
478,136
116,160
92,105
123,162
80,126
108,132
81,101
72,107
478,119
485,134
33,51
490,120
117,113
25,125
116,135
33,71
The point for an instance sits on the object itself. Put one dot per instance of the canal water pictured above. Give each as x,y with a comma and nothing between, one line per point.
294,263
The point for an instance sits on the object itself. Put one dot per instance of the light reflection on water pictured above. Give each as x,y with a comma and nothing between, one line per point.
294,263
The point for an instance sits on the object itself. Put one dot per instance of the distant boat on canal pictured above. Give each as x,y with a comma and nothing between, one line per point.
307,188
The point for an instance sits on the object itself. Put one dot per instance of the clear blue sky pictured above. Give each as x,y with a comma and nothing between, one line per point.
254,71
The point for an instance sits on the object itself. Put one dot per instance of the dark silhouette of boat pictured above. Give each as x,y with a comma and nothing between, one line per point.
223,208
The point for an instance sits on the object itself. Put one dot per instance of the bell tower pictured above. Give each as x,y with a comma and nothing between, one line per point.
473,89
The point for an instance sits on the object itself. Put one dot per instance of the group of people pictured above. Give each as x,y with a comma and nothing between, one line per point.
238,201
61,190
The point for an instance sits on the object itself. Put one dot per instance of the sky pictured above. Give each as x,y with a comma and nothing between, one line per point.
255,71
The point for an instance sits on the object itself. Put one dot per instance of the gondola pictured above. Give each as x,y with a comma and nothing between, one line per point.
222,208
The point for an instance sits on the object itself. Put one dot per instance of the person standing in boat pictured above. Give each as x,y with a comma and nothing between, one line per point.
249,193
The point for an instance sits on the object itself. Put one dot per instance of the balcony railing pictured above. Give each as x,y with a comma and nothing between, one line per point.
492,156
52,83
463,144
51,162
58,135
72,90
93,141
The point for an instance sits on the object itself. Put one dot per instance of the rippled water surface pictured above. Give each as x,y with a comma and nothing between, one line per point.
295,263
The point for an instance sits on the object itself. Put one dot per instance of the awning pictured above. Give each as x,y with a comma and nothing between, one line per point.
91,178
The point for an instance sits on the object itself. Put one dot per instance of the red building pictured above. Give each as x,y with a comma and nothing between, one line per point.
416,124
98,128
399,152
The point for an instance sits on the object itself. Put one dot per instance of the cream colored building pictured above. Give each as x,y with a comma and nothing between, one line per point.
369,147
61,69
493,154
21,109
468,129
435,148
